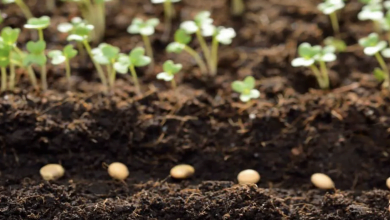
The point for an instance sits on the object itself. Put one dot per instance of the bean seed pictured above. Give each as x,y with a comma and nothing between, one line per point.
118,171
182,171
52,171
322,181
248,177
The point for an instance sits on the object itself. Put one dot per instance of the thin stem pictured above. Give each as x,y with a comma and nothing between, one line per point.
214,56
173,82
168,15
383,65
12,74
335,24
377,27
204,47
197,58
40,33
112,75
148,48
3,79
237,7
44,77
135,78
50,5
26,11
317,74
324,74
97,66
67,71
32,77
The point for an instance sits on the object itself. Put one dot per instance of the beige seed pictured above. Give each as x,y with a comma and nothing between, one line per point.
248,177
118,171
322,181
182,171
52,171
388,182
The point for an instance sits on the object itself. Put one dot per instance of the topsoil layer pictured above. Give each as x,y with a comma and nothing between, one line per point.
291,132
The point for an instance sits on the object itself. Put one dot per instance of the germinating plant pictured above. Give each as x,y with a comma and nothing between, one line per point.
373,10
38,24
181,43
145,29
224,36
309,56
136,58
26,11
330,7
169,13
8,39
58,57
246,89
107,55
36,55
170,70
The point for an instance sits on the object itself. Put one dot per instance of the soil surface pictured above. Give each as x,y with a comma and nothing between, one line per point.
291,132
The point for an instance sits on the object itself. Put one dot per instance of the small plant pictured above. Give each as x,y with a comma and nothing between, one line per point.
246,89
237,7
4,62
180,44
26,11
37,56
330,7
38,24
136,58
373,47
170,70
169,13
107,55
64,56
69,28
310,55
9,38
222,36
145,29
372,11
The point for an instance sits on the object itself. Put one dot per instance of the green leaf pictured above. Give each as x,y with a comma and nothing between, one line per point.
38,23
110,52
123,63
8,1
171,67
249,82
57,57
69,52
238,86
9,35
379,74
304,49
137,57
39,59
182,37
4,55
340,45
175,47
36,47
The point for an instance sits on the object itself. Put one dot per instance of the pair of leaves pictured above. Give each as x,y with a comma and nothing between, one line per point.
135,58
4,55
246,89
225,35
36,55
181,40
105,54
170,69
372,44
146,28
59,56
80,32
330,6
10,36
38,23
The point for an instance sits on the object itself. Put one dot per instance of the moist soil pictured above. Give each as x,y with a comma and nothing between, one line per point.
291,132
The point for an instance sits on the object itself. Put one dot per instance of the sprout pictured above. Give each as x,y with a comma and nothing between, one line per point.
38,24
136,58
246,89
372,47
309,55
336,43
26,11
329,7
237,7
59,57
170,69
145,29
9,37
37,56
180,44
372,11
4,62
107,55
169,14
224,36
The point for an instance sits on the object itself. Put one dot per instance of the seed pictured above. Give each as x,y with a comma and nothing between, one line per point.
52,171
118,171
248,177
388,182
322,181
182,171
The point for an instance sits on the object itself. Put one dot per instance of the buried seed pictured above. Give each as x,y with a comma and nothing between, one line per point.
248,177
182,171
52,171
322,181
118,171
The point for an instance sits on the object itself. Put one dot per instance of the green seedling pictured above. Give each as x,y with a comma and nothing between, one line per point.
145,29
58,57
180,44
9,37
1,18
38,24
310,55
107,55
37,56
80,33
372,11
237,7
246,89
136,58
20,3
170,70
330,7
4,62
336,43
224,36
373,46
169,14
69,28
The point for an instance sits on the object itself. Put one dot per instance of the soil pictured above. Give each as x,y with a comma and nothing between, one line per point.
291,132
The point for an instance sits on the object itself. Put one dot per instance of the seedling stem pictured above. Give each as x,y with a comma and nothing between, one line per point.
335,24
325,76
97,66
173,82
383,65
135,78
204,47
40,33
148,48
214,56
12,75
320,80
26,11
33,78
3,79
43,78
197,58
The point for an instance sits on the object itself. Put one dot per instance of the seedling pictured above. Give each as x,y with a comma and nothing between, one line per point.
20,3
9,38
237,7
330,7
37,56
169,14
224,36
136,58
145,29
372,11
246,89
180,44
170,69
372,47
107,55
310,55
69,29
59,57
336,43
38,24
4,62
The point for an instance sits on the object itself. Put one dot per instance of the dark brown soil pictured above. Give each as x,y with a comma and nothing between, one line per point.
297,130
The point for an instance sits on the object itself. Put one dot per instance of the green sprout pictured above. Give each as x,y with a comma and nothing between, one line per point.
169,14
9,37
246,89
64,56
330,7
180,44
4,62
237,7
170,69
107,55
372,11
136,58
145,29
373,46
69,28
1,18
20,3
310,55
80,33
37,56
224,36
38,24
340,45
